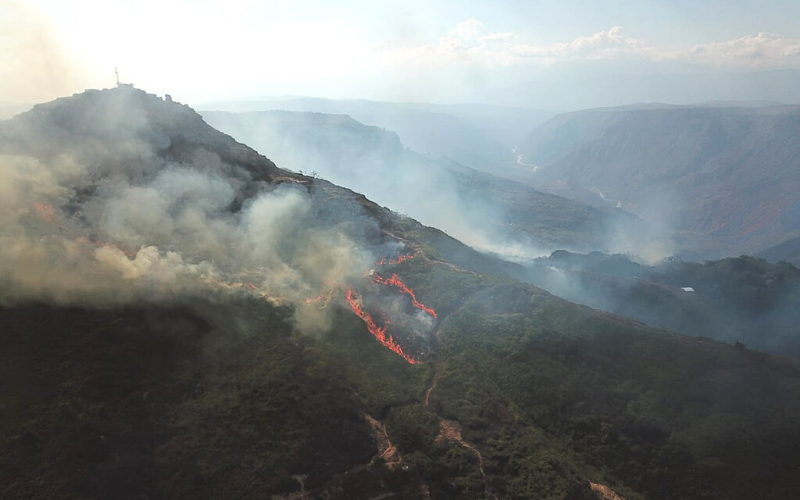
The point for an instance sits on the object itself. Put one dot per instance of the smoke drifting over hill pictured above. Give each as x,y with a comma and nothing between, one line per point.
489,212
732,300
129,213
373,161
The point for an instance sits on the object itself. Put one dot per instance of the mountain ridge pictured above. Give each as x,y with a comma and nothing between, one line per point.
479,208
720,177
206,382
475,135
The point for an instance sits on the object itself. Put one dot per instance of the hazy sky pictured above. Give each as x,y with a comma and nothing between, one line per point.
399,50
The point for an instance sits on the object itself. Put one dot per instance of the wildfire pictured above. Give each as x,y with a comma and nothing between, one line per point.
377,331
45,211
48,213
398,260
395,281
127,253
317,299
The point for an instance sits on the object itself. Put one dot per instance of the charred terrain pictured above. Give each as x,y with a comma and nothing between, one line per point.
181,318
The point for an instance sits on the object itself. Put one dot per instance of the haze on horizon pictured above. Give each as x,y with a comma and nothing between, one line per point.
536,54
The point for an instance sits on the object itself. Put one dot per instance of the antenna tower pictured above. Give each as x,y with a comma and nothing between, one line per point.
116,72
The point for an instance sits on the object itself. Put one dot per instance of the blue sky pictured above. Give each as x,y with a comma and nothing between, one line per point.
400,50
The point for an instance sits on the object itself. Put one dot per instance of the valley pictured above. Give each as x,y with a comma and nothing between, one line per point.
252,331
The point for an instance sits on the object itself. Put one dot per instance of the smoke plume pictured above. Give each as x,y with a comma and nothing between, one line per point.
111,214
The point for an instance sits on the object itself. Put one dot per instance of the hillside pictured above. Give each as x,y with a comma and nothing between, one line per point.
8,110
722,178
788,251
742,299
183,319
477,135
482,210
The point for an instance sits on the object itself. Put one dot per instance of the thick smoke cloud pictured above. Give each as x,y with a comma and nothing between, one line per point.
111,222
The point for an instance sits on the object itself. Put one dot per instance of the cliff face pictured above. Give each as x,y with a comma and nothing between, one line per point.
723,173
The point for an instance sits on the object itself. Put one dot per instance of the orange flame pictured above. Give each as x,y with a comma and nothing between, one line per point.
309,301
48,213
378,332
398,260
395,281
127,253
45,211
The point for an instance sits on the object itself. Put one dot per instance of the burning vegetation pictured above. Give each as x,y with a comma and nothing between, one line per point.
413,329
48,214
379,332
162,390
399,260
395,281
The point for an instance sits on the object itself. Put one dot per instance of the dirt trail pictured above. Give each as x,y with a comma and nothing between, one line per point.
433,386
417,248
386,450
452,267
450,430
439,369
604,492
300,495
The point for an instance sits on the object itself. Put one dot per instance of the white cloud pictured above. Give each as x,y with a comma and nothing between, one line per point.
602,45
461,45
466,30
763,49
470,44
497,36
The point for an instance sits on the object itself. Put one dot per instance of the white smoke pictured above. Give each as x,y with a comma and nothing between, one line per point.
145,234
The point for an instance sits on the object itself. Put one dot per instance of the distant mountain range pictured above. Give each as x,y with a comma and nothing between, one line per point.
492,213
596,86
723,178
788,251
182,318
476,135
711,180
